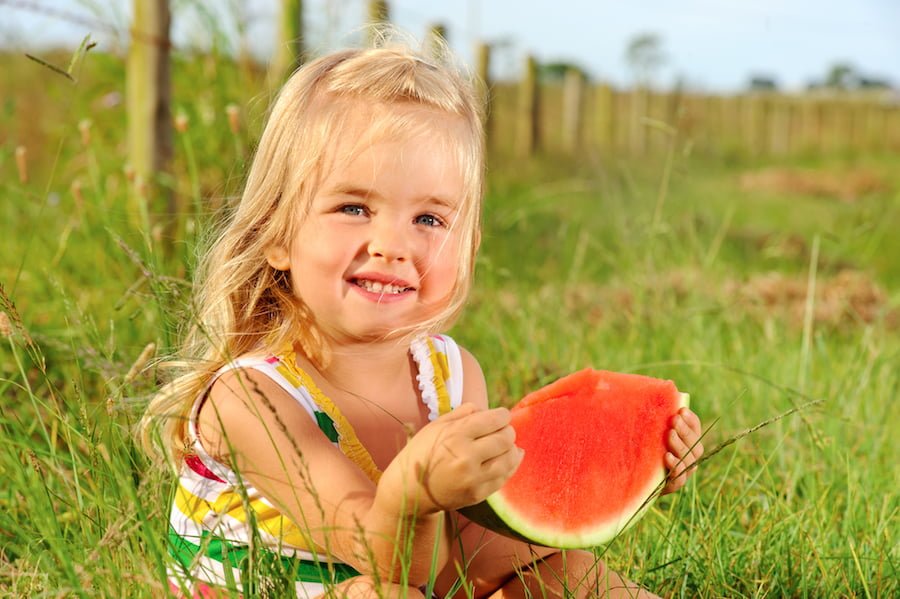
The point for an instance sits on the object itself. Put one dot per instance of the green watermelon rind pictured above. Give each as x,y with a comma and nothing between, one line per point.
598,534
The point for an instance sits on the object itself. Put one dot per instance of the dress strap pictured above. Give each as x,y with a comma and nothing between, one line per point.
440,375
346,440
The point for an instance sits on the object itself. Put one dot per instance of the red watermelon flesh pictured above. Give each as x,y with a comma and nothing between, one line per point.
594,444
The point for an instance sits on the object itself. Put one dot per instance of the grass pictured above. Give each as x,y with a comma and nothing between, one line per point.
755,302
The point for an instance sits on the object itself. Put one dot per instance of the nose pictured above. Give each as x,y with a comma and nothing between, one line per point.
389,242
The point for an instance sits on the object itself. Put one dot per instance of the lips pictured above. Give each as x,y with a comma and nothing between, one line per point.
382,285
376,287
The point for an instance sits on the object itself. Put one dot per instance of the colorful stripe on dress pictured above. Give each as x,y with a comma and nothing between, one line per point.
230,563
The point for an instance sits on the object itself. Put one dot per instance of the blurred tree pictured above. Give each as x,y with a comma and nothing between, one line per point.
866,82
289,47
762,83
644,55
841,75
555,72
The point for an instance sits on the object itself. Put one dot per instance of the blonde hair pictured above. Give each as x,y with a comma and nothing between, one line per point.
242,304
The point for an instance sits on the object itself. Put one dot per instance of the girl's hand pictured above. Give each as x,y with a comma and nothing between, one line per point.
455,461
685,448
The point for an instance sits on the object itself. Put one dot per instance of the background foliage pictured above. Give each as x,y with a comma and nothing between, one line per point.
755,285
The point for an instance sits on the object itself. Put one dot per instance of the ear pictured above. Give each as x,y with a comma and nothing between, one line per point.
278,257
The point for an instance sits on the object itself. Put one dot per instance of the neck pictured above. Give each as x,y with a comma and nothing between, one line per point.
377,363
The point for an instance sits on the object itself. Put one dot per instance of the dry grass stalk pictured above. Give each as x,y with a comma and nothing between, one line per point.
141,361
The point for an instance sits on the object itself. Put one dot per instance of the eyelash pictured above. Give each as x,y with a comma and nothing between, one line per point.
346,209
360,210
438,222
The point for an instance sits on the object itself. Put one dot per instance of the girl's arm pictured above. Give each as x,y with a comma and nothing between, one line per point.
252,424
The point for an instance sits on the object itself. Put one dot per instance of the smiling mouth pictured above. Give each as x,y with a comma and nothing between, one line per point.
383,288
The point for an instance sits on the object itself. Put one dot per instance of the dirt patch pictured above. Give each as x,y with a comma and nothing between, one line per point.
846,186
847,298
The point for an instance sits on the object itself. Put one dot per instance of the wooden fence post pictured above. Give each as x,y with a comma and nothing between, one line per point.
892,129
808,138
573,113
483,72
148,92
604,110
379,13
527,126
637,138
879,127
436,38
289,46
780,127
749,124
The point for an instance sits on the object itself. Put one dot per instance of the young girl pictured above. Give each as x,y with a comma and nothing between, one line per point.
324,431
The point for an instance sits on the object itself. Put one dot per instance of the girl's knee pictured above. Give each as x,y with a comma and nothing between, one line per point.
366,587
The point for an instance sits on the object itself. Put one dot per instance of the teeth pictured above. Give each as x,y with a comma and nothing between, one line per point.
376,287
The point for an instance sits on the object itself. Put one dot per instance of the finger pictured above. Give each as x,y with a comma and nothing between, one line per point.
485,422
458,413
677,473
495,444
672,486
692,420
677,445
689,435
504,465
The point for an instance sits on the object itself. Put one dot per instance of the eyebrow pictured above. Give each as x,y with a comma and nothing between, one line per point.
364,193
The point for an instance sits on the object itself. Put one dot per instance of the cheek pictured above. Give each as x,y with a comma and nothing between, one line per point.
443,270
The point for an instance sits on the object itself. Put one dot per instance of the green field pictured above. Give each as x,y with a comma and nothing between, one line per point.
754,297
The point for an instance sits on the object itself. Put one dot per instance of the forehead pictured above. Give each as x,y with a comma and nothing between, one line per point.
362,125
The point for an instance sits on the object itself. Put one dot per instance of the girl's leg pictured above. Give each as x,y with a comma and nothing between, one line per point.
365,587
486,560
496,566
577,574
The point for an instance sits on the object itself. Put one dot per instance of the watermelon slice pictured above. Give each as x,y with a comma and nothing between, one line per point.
594,444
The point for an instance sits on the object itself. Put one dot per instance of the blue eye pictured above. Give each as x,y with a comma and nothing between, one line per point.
353,210
429,220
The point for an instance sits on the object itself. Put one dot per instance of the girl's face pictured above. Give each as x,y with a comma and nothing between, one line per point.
379,248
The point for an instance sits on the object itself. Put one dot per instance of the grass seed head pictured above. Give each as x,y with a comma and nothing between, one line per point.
77,195
140,362
22,163
5,325
234,118
84,127
181,122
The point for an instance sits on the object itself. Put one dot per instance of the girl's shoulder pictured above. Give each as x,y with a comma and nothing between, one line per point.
245,378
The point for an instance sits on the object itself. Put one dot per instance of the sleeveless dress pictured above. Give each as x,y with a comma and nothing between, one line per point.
222,529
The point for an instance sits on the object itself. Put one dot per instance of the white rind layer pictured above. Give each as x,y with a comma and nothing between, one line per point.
599,532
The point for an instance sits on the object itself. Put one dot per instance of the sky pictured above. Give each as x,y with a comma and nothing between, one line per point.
712,45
